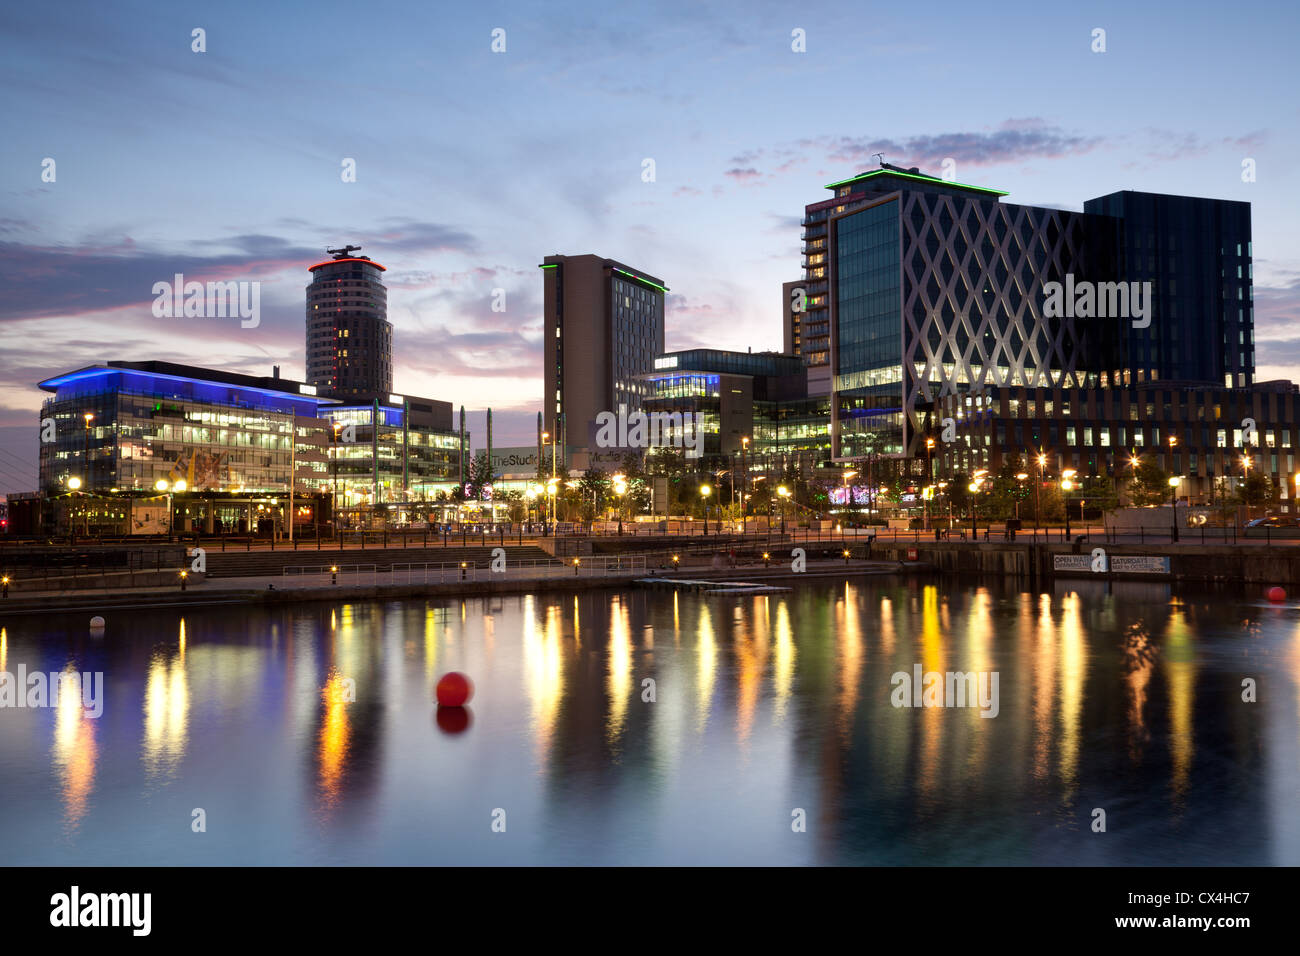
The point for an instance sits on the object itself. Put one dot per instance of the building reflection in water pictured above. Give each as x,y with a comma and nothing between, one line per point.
75,754
166,711
1180,668
763,703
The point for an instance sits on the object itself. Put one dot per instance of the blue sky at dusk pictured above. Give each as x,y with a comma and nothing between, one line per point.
473,165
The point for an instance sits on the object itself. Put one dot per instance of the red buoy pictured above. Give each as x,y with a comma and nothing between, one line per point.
1276,594
454,690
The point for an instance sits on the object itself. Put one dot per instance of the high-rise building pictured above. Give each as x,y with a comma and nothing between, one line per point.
603,326
1196,253
930,289
349,337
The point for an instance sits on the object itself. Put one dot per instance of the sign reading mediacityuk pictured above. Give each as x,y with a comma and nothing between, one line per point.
1118,563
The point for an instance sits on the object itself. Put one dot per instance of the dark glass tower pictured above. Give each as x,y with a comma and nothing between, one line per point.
349,337
1196,254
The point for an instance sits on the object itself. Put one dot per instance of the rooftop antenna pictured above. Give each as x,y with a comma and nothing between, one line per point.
882,157
344,252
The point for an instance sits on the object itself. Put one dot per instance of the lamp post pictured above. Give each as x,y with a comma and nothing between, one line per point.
1174,482
848,492
334,505
620,489
744,479
163,485
90,477
705,490
1020,478
545,437
784,494
1066,486
1038,495
929,477
74,483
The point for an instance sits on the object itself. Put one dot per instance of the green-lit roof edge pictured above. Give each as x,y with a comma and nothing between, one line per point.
549,265
924,179
638,278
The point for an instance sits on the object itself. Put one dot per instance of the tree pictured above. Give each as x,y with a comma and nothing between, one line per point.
480,475
1256,489
1149,484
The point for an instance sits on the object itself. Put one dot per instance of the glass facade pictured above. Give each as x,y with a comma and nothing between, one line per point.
868,343
147,427
637,323
398,461
1196,253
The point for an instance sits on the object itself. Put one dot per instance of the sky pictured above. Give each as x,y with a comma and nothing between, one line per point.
471,165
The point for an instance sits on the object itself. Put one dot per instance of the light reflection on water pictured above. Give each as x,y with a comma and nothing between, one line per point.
307,734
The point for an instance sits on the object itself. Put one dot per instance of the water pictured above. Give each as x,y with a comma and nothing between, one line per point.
764,706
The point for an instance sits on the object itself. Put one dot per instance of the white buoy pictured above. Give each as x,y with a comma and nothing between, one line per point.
96,623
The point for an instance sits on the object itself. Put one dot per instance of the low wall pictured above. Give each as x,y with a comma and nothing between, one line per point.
1245,564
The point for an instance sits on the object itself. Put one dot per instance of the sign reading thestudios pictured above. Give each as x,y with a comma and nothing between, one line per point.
523,460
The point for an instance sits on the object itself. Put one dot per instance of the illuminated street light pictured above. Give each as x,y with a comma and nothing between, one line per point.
1174,482
1067,485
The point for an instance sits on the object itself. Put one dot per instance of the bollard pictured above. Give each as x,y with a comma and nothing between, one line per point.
334,574
846,555
767,559
462,570
4,584
576,563
184,577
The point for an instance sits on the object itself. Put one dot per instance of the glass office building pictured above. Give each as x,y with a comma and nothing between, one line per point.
930,292
221,449
396,453
125,426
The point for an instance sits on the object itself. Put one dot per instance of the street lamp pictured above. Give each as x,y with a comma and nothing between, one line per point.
929,477
1038,495
784,493
545,437
705,491
162,485
1066,486
974,488
744,479
848,494
334,508
1020,478
1174,482
89,417
552,489
620,489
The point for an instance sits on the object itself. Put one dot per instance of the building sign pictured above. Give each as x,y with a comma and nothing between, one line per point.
1119,563
517,460
1139,564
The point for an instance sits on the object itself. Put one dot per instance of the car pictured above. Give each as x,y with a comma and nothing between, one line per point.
1275,521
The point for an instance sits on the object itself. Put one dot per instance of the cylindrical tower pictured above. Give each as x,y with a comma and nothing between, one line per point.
349,337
